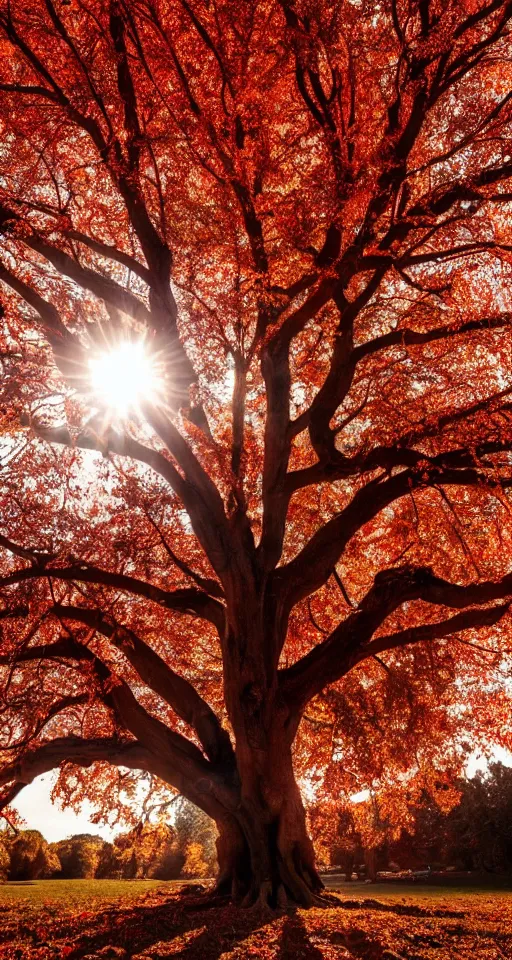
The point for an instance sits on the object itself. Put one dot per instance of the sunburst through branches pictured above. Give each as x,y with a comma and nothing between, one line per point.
124,376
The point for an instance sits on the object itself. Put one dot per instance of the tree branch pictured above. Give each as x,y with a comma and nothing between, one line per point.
349,643
472,619
201,518
185,600
67,350
77,750
157,749
313,565
175,690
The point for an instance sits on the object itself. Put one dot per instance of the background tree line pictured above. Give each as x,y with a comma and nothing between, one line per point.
150,850
475,833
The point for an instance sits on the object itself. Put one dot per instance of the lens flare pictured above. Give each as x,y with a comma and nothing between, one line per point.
124,376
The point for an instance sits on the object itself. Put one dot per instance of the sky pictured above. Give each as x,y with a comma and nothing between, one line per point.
36,807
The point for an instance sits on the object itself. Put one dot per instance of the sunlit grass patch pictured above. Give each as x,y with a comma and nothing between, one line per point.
74,891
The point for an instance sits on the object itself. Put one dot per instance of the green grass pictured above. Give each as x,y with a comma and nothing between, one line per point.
412,891
70,892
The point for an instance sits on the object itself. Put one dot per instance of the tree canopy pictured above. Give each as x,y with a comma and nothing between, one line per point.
284,517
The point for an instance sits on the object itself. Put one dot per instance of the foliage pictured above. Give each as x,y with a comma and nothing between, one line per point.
477,834
149,850
473,835
195,865
195,841
31,857
5,861
84,855
289,555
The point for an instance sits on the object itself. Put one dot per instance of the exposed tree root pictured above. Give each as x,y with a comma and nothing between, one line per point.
266,900
267,861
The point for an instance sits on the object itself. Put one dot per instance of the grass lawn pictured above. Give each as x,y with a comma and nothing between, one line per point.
417,891
151,920
74,891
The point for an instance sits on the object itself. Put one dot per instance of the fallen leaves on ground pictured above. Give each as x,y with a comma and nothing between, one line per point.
166,926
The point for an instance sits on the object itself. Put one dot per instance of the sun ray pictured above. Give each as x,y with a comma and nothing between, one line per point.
123,376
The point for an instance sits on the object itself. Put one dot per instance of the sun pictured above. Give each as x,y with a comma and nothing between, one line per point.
124,376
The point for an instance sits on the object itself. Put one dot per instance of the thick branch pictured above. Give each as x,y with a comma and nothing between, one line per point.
169,755
175,690
165,753
171,751
109,252
75,750
67,350
186,600
313,566
198,492
102,287
349,642
472,619
64,648
203,521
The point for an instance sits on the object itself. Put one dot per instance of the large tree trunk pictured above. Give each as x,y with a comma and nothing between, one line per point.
265,854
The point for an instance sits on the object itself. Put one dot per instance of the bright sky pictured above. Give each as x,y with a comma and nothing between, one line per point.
35,806
476,762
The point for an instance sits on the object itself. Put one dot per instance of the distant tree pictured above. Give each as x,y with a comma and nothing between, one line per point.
478,832
31,857
149,850
255,404
196,841
350,836
468,825
195,864
5,860
84,856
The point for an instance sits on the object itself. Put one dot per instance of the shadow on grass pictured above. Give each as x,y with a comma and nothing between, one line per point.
184,930
20,883
403,909
295,941
180,926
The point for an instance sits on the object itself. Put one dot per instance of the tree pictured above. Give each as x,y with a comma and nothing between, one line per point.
149,850
4,860
469,828
31,857
478,832
83,856
275,544
196,841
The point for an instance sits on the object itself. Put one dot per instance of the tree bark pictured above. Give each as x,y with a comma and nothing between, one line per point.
265,854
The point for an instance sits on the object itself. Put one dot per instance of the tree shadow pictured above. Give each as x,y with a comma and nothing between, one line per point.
292,940
181,928
361,946
403,909
296,942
